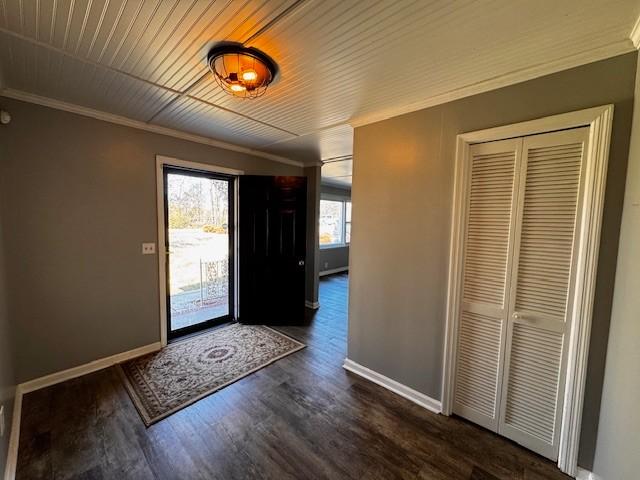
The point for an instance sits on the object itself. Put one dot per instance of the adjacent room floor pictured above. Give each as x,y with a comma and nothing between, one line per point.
303,417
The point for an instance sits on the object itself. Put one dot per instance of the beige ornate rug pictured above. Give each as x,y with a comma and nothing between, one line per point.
164,382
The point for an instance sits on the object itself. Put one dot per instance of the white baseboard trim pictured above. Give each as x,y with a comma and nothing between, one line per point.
333,270
409,393
52,379
14,438
90,367
583,474
314,305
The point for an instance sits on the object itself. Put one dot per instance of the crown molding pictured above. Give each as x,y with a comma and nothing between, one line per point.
341,158
330,182
127,122
501,81
505,80
313,164
634,36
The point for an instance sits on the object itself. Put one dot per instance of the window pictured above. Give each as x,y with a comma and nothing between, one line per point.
347,222
335,222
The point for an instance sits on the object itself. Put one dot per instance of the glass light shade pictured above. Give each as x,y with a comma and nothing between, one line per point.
241,72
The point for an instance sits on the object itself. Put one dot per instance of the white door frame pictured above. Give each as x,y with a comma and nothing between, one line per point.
599,120
161,161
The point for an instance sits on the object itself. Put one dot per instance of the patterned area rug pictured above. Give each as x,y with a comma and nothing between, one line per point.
164,382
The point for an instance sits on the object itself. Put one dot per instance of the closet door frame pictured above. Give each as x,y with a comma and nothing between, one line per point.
599,120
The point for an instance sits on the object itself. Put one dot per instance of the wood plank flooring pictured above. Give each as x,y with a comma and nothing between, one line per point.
303,417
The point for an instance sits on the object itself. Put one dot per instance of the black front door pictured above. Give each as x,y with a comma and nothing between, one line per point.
272,249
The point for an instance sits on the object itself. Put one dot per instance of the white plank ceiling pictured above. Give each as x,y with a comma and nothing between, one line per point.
341,62
337,172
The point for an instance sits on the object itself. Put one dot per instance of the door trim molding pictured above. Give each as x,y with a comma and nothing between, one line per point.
599,120
161,161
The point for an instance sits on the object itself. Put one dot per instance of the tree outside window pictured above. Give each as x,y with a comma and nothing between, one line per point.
335,222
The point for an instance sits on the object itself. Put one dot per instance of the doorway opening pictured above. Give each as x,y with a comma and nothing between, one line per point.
199,242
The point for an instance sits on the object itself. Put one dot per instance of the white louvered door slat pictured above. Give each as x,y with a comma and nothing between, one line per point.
540,290
488,250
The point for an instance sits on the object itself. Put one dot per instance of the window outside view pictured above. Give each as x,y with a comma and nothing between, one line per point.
198,213
335,222
347,224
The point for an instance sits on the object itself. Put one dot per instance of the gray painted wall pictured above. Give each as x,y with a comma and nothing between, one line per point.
402,199
7,374
334,257
618,446
80,197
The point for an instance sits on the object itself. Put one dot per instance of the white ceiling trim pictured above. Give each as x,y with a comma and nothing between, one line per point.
331,182
337,159
22,24
635,33
127,122
178,93
338,176
540,70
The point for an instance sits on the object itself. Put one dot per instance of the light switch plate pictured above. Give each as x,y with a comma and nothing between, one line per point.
1,420
148,248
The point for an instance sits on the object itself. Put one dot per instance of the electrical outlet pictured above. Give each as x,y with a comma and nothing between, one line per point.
148,248
1,420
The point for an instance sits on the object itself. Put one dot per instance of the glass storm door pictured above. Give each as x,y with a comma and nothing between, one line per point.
199,238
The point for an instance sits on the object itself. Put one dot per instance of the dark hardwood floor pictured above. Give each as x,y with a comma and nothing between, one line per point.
303,417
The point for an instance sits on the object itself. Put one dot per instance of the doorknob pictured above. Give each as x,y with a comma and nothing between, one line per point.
301,263
516,315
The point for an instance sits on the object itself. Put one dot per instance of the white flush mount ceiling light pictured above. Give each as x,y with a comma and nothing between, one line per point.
240,71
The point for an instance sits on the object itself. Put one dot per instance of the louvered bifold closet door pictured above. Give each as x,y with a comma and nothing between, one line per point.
486,265
541,286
